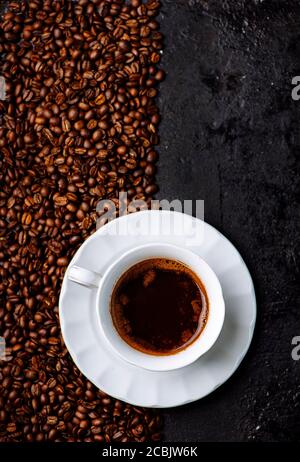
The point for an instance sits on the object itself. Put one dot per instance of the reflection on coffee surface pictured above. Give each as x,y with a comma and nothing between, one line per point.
159,306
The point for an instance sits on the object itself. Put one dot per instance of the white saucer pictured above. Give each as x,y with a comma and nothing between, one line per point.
138,386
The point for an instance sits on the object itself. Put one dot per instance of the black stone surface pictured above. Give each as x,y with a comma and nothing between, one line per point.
230,134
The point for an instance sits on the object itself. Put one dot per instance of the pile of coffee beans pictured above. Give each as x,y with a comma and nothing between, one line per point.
78,124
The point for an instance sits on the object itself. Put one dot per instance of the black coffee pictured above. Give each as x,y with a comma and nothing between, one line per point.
159,306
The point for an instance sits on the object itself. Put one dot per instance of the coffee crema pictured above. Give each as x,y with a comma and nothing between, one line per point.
159,306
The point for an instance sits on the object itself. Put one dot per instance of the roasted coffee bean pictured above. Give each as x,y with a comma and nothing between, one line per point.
78,124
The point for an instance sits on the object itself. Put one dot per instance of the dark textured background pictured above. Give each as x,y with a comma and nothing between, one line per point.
230,134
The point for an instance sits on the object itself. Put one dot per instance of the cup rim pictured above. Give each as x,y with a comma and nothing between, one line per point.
183,357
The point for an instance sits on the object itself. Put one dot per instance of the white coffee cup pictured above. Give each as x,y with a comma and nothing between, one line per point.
106,283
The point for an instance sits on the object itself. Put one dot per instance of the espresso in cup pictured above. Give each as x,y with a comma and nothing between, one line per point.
159,306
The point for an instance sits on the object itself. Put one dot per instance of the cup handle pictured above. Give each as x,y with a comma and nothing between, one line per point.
83,276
